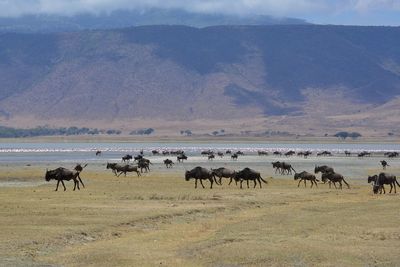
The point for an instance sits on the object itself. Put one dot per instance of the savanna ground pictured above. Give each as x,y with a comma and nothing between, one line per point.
161,220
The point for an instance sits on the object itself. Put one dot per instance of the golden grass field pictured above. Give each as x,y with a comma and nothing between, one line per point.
159,219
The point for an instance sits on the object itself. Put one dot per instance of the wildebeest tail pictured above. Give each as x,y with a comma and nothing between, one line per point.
396,182
263,180
293,169
316,180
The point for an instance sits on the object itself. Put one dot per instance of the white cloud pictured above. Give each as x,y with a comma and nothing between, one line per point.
268,7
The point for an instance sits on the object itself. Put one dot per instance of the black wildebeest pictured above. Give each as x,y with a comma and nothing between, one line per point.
155,152
334,178
382,179
304,176
224,173
234,156
128,168
127,158
181,157
323,169
61,174
220,154
200,173
248,174
384,164
228,152
277,153
211,157
168,163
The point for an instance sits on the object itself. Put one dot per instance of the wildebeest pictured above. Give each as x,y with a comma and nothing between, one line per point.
248,174
181,157
61,174
127,168
211,157
79,167
168,163
384,164
323,169
304,153
138,157
224,173
334,178
115,167
382,179
228,152
200,173
262,153
155,152
347,153
144,164
98,153
324,153
239,153
234,156
282,167
304,176
277,153
127,158
391,154
220,154
290,153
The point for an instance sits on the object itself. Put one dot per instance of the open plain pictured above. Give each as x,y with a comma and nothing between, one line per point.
159,219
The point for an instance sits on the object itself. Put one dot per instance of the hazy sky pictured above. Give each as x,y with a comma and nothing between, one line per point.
357,12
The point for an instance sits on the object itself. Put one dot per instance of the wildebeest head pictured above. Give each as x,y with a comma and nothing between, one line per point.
372,178
297,176
376,188
187,176
49,175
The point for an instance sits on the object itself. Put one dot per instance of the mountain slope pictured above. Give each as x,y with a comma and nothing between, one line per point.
179,73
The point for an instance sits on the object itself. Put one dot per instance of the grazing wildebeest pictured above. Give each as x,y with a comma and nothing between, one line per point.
155,152
181,157
127,158
347,153
165,152
324,153
220,154
211,157
234,156
392,154
138,157
248,174
228,152
277,153
98,153
224,173
334,178
384,164
168,163
239,153
363,154
304,176
127,168
206,152
277,166
200,173
61,174
382,179
304,153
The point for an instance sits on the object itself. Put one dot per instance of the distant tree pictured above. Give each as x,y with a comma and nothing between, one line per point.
145,131
343,135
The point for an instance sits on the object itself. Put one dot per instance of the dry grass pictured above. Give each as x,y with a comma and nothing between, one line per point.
162,220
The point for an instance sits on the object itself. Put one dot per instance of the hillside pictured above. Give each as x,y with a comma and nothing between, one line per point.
299,78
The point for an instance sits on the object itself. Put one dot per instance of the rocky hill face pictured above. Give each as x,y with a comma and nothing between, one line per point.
290,77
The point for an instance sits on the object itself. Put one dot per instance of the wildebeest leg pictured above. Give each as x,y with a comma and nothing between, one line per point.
201,182
58,182
259,181
195,183
394,184
241,181
255,183
211,181
340,183
247,183
348,186
334,184
230,181
79,177
298,185
391,187
138,173
120,174
305,184
62,182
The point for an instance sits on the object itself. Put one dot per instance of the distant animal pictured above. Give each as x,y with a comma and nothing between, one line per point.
61,174
138,157
239,153
384,164
347,153
181,158
262,153
363,154
220,154
200,173
247,175
144,164
306,176
391,154
126,158
282,167
98,153
290,153
324,153
155,152
234,156
141,152
228,152
115,167
224,173
382,179
168,163
334,178
277,153
211,157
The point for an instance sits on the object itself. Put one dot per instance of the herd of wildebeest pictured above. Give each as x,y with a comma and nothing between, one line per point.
141,164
